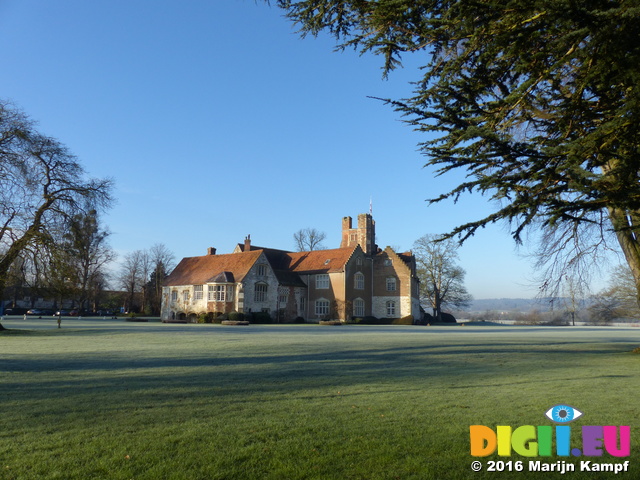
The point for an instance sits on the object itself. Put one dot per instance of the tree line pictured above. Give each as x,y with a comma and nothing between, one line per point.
52,242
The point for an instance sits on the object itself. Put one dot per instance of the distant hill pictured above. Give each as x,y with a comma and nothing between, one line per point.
522,305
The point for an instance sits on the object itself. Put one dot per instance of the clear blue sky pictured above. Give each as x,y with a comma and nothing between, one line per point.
217,121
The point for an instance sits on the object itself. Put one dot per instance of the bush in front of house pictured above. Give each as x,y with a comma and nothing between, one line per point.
407,320
258,317
368,320
236,316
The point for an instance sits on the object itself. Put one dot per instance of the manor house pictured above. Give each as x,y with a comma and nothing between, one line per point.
356,280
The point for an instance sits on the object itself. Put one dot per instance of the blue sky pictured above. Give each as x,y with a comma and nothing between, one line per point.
216,121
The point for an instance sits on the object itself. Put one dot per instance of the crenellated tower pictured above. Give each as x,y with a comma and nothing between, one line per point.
364,234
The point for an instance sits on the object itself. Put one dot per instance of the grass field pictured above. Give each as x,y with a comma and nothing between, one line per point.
118,400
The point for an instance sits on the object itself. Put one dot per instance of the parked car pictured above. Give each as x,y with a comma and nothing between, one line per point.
15,311
38,311
63,313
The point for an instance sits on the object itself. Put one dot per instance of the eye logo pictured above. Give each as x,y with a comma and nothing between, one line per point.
563,414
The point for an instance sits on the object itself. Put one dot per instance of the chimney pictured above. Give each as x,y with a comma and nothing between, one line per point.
211,251
346,227
247,243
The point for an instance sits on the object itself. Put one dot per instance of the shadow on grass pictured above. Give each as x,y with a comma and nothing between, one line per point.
116,377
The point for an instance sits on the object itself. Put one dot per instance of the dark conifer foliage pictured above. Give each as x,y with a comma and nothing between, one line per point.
538,101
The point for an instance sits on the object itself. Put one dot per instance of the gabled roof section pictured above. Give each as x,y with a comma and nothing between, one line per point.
406,259
319,261
223,277
200,270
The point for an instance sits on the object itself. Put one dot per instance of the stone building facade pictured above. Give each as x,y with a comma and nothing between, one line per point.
356,280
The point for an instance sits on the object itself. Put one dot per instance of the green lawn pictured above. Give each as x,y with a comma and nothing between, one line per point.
118,400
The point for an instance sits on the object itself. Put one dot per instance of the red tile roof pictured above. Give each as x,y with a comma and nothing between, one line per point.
200,270
318,261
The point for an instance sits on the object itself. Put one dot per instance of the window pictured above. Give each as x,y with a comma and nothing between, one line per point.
219,293
358,307
388,262
283,297
303,304
359,261
260,292
185,295
322,281
174,296
359,281
197,292
391,308
322,307
391,284
262,270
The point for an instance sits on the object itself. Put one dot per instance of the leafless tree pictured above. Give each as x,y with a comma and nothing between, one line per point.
132,277
570,254
162,263
41,186
441,279
308,239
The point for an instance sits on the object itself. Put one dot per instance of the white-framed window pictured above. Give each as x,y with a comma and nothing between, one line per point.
220,293
262,270
185,295
303,304
322,307
322,281
174,295
359,261
388,262
358,279
391,308
260,292
198,292
391,284
358,307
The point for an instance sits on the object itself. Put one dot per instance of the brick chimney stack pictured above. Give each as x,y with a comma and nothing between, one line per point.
346,227
247,243
211,251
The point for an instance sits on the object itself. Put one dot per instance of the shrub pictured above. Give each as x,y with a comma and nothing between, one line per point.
236,316
368,320
258,317
408,320
299,320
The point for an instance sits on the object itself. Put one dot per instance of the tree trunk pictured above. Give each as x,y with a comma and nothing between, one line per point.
437,310
2,284
627,233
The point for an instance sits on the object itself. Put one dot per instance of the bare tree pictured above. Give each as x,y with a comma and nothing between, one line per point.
618,300
162,263
570,254
441,279
132,277
41,185
88,252
309,239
